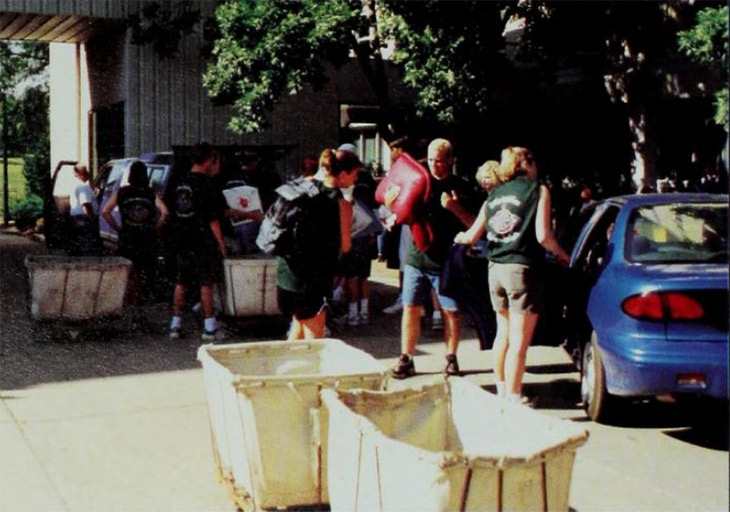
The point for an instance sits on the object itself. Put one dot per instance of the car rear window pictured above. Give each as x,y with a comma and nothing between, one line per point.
678,233
156,175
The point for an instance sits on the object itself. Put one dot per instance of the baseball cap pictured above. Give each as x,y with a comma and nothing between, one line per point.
350,148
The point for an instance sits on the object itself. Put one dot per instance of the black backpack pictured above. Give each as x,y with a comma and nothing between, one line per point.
285,229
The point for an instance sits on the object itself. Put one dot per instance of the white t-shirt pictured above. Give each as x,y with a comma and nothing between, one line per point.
82,194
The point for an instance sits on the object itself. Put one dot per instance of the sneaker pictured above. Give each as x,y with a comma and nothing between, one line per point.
353,320
364,317
437,323
219,334
174,333
340,321
404,368
452,365
395,307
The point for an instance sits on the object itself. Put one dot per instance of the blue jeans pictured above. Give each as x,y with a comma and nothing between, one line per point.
417,286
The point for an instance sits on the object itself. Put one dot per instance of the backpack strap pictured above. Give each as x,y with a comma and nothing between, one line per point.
300,187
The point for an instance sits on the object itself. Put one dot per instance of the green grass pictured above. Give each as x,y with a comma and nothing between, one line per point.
16,182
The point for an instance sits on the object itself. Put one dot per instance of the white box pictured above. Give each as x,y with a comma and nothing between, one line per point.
243,198
269,441
76,288
249,287
448,446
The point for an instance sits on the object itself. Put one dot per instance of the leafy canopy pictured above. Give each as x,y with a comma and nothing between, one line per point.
707,43
265,50
450,53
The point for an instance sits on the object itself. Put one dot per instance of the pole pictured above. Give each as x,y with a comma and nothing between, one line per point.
6,205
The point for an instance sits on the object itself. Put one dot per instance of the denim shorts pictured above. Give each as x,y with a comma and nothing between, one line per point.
516,287
417,286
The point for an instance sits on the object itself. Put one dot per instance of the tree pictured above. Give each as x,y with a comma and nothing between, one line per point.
451,53
707,42
630,46
33,137
264,50
21,65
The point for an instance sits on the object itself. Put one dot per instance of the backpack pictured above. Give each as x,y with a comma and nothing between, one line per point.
284,230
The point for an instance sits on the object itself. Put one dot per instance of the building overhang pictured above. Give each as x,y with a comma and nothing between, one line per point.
51,28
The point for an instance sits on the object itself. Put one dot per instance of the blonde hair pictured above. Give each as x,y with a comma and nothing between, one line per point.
328,161
442,146
488,171
514,161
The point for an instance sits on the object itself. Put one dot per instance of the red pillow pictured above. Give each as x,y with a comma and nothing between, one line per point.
413,182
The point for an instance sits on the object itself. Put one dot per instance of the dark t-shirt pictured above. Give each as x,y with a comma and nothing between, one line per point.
139,214
445,224
193,204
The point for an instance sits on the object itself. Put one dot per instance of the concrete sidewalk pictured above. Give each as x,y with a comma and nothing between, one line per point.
121,423
137,442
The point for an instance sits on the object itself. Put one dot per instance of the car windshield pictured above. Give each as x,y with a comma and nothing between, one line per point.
678,233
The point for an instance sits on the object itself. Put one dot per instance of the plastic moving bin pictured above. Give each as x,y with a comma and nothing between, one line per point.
249,287
269,441
447,446
76,288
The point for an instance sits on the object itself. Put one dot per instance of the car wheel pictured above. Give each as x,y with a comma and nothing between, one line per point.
596,400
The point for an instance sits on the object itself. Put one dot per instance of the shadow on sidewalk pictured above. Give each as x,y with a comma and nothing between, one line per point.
33,353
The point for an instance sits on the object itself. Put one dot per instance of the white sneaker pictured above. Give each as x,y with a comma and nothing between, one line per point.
353,320
395,307
437,323
219,334
364,317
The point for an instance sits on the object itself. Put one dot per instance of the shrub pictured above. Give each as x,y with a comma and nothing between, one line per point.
36,169
27,211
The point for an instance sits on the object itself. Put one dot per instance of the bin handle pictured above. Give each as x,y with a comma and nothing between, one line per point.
293,387
297,346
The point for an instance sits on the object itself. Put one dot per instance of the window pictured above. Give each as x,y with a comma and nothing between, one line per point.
359,124
678,233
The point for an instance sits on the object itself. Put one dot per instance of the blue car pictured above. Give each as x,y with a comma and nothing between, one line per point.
647,307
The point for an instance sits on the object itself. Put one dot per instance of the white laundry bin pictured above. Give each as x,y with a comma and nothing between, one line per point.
447,446
249,287
76,288
269,441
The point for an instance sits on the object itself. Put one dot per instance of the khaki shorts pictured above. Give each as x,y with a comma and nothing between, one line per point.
516,287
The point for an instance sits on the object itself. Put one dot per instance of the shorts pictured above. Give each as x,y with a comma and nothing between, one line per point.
358,262
516,287
417,286
199,266
301,306
404,242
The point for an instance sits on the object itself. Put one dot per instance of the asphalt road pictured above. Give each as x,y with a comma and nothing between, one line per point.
118,421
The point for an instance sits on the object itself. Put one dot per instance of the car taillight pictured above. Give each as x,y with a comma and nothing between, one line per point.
663,306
